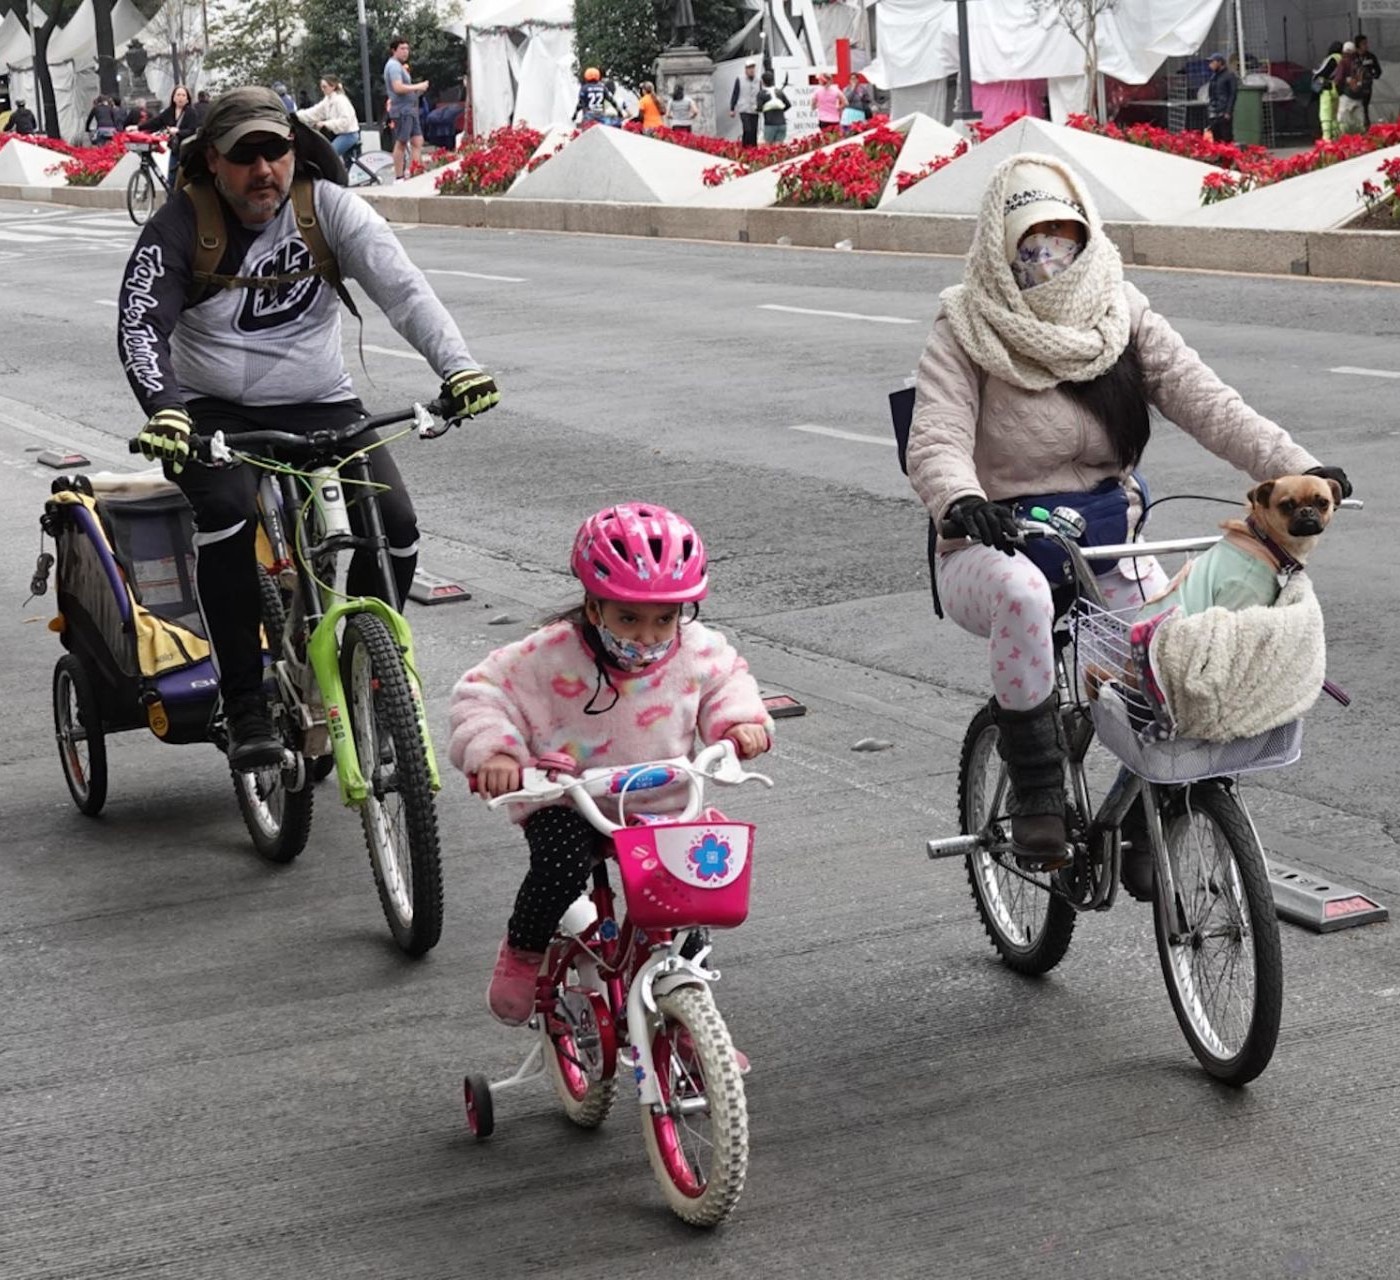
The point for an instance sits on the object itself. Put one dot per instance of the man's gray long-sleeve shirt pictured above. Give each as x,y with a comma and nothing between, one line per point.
268,346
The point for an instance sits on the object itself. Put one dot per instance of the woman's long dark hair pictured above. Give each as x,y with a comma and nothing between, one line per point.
1118,399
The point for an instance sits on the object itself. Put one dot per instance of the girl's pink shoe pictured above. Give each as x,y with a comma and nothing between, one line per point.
511,997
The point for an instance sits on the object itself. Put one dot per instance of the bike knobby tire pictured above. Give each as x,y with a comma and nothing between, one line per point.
398,815
1029,925
276,808
700,1155
141,196
1224,970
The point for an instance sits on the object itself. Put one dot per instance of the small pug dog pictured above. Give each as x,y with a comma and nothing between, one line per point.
1283,521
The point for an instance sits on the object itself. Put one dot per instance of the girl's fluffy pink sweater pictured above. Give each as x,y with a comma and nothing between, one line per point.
527,699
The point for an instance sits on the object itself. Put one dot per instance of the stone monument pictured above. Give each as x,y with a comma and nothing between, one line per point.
691,66
136,60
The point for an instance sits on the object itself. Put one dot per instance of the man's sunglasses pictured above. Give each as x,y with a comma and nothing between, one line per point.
268,149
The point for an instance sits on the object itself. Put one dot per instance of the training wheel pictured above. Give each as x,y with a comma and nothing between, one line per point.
476,1093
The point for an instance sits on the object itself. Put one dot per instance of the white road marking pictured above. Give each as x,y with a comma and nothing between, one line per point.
26,237
392,351
839,315
1365,373
474,275
813,429
103,302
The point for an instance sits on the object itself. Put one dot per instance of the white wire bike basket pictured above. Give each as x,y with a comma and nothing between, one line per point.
1136,729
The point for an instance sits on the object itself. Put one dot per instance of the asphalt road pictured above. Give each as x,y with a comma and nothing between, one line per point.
215,1067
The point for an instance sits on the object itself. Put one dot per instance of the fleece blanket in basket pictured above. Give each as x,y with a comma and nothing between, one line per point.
1233,673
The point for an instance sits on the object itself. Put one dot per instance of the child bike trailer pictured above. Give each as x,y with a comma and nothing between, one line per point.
127,615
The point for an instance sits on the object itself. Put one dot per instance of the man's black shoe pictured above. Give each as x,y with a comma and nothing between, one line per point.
251,742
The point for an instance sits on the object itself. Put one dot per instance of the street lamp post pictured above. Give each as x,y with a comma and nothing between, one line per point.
364,64
963,113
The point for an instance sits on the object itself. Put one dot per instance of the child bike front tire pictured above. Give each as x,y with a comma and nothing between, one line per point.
698,1143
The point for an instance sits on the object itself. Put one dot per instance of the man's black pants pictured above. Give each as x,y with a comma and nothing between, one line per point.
1222,128
225,506
748,121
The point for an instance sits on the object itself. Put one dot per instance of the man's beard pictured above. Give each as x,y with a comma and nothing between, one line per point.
257,205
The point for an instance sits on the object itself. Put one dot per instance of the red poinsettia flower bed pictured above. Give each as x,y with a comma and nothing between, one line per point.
851,176
907,179
84,166
487,166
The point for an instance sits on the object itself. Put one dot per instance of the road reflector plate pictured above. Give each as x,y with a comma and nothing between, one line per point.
780,706
59,458
1323,906
428,588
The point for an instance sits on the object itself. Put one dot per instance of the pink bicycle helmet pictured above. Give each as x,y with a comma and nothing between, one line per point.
640,553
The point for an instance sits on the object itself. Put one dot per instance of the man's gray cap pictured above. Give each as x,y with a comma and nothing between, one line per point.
239,112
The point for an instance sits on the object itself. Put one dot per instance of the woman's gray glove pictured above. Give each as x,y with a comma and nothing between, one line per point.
988,523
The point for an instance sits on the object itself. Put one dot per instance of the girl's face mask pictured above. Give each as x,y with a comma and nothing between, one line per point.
630,655
1041,257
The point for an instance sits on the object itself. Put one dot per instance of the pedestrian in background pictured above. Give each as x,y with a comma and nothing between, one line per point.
403,91
828,102
1326,86
1221,90
1348,79
681,110
858,107
181,121
201,105
288,101
1370,73
651,111
773,106
22,120
101,123
744,100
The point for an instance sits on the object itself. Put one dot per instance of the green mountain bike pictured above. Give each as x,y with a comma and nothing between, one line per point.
344,692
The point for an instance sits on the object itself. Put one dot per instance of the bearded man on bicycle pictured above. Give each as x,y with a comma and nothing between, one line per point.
252,341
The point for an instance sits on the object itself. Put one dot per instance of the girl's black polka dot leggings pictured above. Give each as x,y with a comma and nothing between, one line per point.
563,845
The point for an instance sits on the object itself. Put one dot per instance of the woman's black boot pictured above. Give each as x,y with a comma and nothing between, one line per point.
1032,745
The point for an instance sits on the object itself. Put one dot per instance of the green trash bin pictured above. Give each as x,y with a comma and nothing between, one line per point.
1249,115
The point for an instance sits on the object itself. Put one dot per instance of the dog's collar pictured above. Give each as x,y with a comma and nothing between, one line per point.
1287,564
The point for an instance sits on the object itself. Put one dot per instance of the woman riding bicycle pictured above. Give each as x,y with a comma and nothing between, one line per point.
335,116
1035,387
182,121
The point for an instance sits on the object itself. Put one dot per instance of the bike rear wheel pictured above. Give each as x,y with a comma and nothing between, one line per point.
276,803
698,1144
1219,942
398,815
580,1052
1028,924
77,722
141,196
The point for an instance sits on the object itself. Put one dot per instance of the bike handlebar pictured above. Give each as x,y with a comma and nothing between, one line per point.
207,449
716,763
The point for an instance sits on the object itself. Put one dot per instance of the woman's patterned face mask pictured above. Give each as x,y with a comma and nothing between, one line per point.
1041,257
629,655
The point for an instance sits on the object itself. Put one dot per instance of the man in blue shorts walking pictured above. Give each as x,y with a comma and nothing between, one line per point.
403,93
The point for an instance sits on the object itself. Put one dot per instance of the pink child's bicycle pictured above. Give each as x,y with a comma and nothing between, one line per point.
636,990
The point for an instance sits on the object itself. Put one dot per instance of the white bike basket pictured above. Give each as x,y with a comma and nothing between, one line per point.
1132,729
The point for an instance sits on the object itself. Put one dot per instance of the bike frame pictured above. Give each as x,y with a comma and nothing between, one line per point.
280,500
627,970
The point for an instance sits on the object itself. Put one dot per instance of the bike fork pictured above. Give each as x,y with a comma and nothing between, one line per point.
662,972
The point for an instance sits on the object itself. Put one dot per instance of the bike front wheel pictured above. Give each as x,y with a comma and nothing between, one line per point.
1029,925
398,814
698,1140
141,196
1219,941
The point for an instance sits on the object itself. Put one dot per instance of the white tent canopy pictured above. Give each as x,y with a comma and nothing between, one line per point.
14,40
521,62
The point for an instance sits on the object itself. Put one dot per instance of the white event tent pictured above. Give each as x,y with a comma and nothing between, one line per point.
72,60
521,60
917,45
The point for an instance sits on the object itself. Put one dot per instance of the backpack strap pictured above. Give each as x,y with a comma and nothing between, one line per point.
211,240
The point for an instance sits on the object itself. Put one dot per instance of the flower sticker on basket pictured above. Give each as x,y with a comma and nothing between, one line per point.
710,857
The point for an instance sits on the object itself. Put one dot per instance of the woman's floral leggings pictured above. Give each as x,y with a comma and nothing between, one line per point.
1007,600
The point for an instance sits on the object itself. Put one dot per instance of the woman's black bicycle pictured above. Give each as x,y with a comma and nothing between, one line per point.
1214,917
141,188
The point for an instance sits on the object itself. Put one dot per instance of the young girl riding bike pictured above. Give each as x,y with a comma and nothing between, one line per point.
618,679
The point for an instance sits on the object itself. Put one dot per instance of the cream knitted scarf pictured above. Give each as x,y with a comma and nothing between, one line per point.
1070,329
